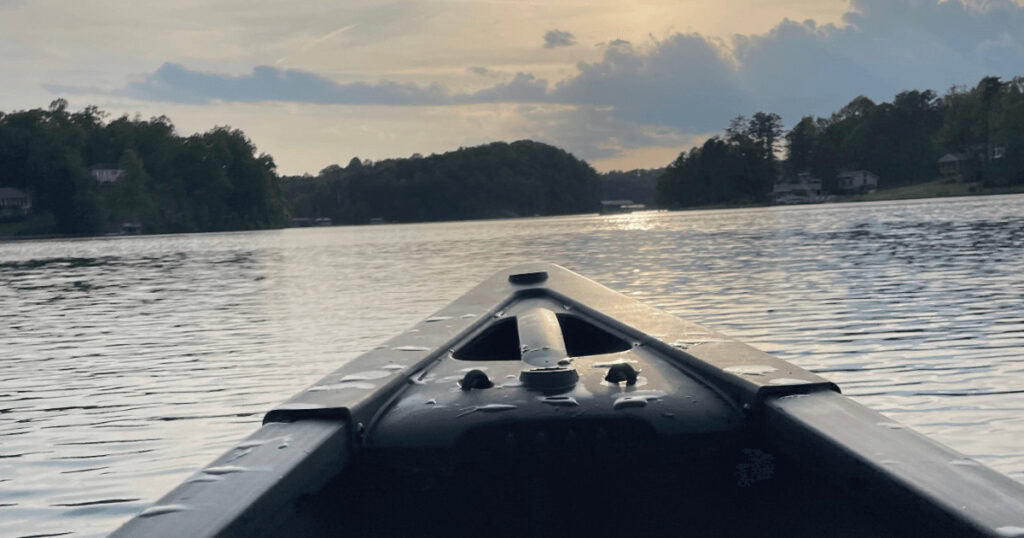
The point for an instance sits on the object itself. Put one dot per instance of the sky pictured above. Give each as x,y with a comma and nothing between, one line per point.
621,84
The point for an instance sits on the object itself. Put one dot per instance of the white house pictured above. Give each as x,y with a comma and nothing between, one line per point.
858,181
105,173
14,202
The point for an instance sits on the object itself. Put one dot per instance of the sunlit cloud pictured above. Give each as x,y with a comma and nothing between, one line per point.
616,97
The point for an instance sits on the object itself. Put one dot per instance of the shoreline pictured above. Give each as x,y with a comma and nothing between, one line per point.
919,191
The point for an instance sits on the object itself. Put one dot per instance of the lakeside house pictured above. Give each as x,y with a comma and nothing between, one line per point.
14,203
611,207
105,173
806,189
857,181
968,165
956,166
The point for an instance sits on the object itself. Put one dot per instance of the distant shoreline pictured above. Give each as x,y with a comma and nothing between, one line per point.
920,191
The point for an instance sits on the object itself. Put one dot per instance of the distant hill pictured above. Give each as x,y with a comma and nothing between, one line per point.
522,178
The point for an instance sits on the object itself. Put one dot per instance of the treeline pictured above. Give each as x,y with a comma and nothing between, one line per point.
739,167
635,185
901,142
496,180
204,182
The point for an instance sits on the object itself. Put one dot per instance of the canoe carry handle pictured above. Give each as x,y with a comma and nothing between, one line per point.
542,351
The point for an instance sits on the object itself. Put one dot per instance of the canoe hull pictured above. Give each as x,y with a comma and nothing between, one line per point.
543,404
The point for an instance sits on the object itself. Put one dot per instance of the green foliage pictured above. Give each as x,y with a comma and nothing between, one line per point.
738,169
209,181
636,185
900,141
496,180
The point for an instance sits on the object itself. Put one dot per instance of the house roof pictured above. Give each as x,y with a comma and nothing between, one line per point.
953,157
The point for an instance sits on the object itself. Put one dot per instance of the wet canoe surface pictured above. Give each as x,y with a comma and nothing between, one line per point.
543,404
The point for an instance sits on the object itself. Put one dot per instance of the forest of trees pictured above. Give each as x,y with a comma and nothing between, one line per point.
900,141
217,180
522,178
636,185
737,168
204,182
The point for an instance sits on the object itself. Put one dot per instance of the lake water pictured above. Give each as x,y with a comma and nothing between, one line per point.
127,363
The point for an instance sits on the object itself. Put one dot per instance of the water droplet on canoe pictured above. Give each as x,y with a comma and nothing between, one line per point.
637,398
560,401
285,441
431,402
489,408
366,376
788,381
609,364
344,385
239,453
394,367
435,319
623,402
203,477
499,313
467,316
161,509
252,443
567,307
965,463
412,348
224,469
751,369
891,425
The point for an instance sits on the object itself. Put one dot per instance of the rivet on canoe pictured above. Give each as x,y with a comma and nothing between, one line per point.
622,371
475,379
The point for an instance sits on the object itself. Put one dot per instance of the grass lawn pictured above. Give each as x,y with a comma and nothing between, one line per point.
932,189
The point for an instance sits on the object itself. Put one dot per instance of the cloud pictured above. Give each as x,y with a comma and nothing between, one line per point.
558,38
685,81
684,84
690,81
175,83
592,132
523,88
